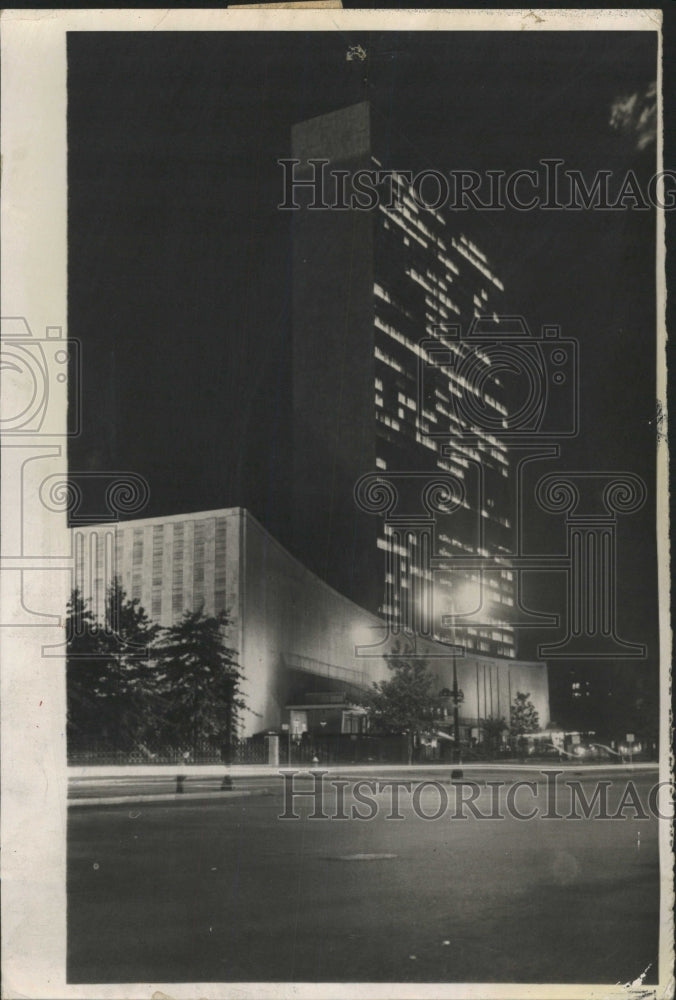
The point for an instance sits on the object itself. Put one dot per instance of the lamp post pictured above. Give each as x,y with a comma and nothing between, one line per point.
456,715
457,695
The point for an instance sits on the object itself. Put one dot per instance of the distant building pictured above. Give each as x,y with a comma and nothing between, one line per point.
304,647
382,301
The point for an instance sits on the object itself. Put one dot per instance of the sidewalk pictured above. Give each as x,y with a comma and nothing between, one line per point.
98,786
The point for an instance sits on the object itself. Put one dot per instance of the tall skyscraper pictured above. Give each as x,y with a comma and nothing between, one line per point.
387,295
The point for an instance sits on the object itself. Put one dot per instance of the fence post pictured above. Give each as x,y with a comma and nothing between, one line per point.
272,745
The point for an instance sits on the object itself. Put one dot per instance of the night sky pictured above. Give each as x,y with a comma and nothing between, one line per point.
179,264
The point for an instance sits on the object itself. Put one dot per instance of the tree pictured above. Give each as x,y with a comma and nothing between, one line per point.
493,730
109,678
85,666
631,704
132,707
523,717
201,680
405,702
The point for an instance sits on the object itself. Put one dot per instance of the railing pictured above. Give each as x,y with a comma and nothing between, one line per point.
355,748
92,753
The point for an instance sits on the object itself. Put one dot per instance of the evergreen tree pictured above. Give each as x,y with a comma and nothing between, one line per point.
200,680
130,706
85,669
109,677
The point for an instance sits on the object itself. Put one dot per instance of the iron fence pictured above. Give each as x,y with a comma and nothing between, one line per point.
91,753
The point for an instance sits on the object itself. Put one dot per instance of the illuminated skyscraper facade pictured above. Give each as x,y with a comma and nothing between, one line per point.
388,381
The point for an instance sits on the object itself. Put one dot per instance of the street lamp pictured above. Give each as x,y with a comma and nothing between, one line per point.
470,593
456,695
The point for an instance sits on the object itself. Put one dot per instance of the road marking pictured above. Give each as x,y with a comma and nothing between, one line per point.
364,857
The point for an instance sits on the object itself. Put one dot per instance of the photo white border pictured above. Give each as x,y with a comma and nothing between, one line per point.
32,687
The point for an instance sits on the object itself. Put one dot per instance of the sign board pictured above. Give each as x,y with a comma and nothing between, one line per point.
630,737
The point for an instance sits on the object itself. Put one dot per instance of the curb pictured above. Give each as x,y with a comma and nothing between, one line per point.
120,800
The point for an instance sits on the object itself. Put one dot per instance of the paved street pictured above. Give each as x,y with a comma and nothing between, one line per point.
224,890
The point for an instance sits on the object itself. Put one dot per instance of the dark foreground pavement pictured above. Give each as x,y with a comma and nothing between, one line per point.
226,891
